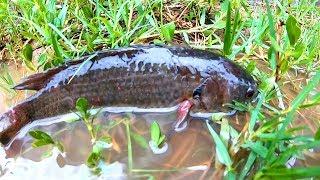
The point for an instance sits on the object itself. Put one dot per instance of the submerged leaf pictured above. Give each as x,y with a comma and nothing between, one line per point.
93,160
39,143
40,135
139,139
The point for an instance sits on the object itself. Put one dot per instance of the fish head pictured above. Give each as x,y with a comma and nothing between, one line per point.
223,88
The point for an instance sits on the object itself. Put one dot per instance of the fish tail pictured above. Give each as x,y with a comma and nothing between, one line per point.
12,121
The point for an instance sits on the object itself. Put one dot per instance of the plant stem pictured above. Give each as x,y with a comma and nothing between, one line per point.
130,163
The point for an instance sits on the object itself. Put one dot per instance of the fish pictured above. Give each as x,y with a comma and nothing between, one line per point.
144,76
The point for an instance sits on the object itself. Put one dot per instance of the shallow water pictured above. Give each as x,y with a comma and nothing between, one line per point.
191,148
191,153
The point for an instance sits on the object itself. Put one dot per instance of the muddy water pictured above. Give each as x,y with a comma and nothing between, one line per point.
191,148
191,153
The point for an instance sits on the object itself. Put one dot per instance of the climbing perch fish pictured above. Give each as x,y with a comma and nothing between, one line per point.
141,76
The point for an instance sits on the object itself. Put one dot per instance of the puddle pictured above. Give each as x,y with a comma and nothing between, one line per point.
190,154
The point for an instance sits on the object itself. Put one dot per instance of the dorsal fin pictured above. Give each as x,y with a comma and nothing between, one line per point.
40,80
37,81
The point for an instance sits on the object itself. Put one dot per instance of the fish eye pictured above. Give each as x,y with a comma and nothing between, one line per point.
197,92
250,93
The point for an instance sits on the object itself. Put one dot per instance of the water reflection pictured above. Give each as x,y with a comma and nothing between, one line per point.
190,153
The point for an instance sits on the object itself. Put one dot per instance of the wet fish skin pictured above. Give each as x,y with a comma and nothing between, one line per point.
141,76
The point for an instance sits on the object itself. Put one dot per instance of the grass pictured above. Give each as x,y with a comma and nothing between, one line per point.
273,40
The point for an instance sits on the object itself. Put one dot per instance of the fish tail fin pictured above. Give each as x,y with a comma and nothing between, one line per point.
12,121
5,123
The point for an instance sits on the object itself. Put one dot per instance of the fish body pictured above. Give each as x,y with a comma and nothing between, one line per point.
141,76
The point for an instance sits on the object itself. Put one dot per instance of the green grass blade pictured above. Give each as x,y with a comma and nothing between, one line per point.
68,42
251,159
291,173
221,149
273,61
314,82
228,34
255,113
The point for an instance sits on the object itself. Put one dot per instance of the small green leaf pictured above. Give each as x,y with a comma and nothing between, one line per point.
140,140
293,30
27,52
284,66
257,147
82,106
93,160
155,132
40,135
35,134
298,50
167,31
27,57
39,143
